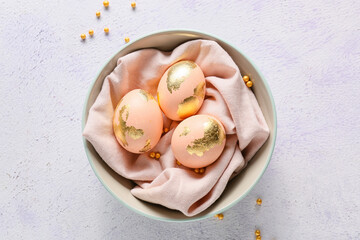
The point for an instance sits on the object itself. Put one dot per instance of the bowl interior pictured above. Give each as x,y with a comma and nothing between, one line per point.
238,187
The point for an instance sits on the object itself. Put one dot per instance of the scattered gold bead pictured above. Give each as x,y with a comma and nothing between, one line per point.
152,155
106,30
91,32
221,216
133,4
259,201
157,155
216,215
98,14
83,36
246,78
106,3
258,237
257,232
127,39
178,163
202,170
166,130
249,84
196,170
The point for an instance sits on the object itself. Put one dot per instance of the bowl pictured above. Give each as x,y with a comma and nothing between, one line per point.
238,187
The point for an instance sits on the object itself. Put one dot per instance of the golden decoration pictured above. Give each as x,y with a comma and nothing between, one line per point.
157,155
185,132
152,155
106,30
106,3
98,14
213,135
147,146
146,95
196,170
249,84
257,232
199,91
166,130
123,129
127,39
178,73
83,36
259,201
202,170
178,163
188,107
221,216
133,4
258,237
246,78
91,32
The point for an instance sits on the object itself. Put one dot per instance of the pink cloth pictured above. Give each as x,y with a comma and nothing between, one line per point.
227,98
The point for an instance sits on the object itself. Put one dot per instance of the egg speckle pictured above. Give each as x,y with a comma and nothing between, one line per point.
181,90
198,141
138,121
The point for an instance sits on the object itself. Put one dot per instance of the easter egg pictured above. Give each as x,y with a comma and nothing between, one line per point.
198,141
181,90
138,121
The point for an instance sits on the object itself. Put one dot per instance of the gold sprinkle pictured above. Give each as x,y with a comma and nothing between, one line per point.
246,78
216,215
249,84
147,146
157,155
166,130
127,39
106,3
259,201
188,107
258,237
83,36
152,155
146,95
178,73
91,32
213,135
257,232
178,163
196,170
202,170
133,4
185,132
221,216
106,30
98,14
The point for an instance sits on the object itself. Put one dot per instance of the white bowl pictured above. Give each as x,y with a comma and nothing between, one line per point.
238,187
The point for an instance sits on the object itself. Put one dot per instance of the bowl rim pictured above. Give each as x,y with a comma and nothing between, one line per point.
194,218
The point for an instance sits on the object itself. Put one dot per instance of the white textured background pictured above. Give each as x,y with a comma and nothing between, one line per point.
308,50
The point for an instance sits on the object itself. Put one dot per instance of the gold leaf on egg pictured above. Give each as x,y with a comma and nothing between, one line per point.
185,132
147,146
199,91
122,129
178,73
188,107
213,135
145,94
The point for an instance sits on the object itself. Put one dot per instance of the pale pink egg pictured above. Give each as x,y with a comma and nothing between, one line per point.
181,90
198,141
138,122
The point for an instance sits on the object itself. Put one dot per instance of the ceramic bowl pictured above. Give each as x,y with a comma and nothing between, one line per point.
238,187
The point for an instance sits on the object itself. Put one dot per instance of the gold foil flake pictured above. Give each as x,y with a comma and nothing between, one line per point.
123,129
185,132
213,135
145,94
147,146
188,107
199,91
178,73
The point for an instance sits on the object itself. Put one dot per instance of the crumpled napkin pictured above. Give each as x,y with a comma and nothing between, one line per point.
227,98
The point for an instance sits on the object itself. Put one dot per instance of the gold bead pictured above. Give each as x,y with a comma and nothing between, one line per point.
216,215
259,201
157,155
133,4
91,32
166,130
202,170
196,170
246,78
221,216
106,3
258,237
106,30
152,155
98,14
83,36
178,163
257,232
127,39
249,84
